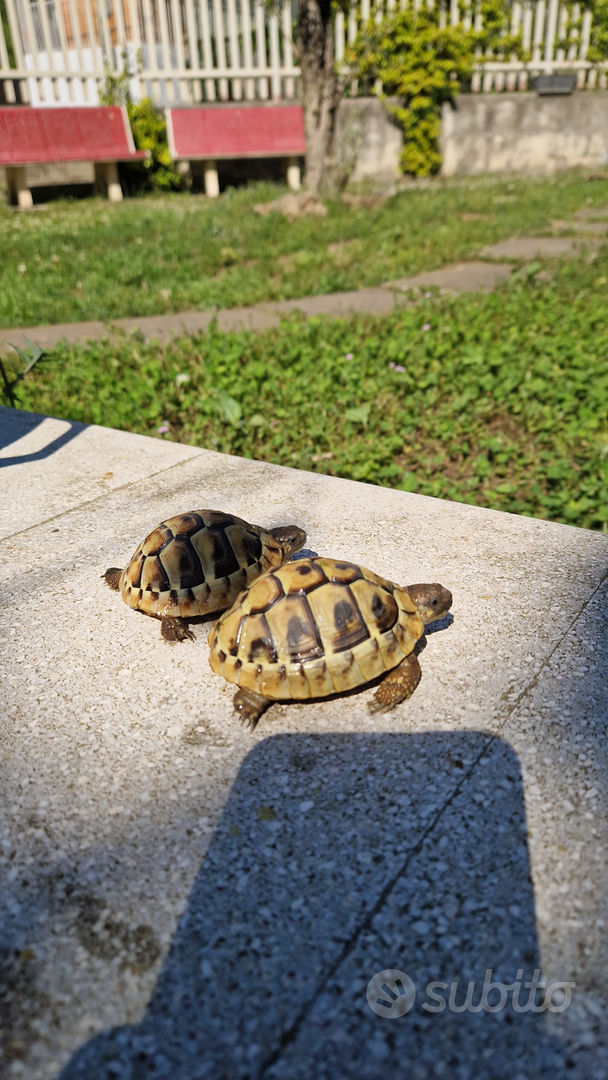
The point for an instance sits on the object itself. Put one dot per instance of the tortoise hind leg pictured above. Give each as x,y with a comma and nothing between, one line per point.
399,685
112,577
251,706
175,629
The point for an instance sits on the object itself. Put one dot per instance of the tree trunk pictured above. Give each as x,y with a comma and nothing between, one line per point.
320,89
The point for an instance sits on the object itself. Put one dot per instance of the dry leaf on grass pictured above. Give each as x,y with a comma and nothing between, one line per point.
293,205
363,202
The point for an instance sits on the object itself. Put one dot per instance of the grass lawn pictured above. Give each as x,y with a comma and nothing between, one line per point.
499,400
93,260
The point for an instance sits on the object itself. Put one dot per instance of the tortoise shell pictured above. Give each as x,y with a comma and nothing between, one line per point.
197,563
314,627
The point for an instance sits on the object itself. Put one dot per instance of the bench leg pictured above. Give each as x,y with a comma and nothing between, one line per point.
19,191
107,173
212,181
294,179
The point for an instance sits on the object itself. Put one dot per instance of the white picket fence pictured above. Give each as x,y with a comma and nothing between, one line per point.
187,51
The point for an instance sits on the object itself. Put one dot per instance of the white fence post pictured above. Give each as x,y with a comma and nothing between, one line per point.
275,78
64,48
233,45
247,48
551,31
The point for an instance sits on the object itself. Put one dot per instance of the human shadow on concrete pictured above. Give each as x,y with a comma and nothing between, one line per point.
336,857
15,423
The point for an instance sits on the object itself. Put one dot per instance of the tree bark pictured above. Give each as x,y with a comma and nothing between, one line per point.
320,90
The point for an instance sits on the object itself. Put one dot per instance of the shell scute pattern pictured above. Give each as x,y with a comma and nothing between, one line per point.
341,572
197,562
181,563
300,577
184,524
247,546
153,576
314,627
292,626
262,595
337,615
156,541
256,642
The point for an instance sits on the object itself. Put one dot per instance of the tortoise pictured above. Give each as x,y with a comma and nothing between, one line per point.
316,627
198,562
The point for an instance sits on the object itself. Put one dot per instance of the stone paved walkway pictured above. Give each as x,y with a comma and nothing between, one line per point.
482,274
182,900
375,301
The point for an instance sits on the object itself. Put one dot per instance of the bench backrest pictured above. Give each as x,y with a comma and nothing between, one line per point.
229,131
37,136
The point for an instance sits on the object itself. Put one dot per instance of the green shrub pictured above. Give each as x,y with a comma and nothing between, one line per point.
425,64
157,172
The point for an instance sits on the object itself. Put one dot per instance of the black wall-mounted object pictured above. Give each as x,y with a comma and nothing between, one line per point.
554,84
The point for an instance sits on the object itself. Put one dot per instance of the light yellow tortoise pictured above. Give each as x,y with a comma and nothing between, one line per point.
197,563
316,627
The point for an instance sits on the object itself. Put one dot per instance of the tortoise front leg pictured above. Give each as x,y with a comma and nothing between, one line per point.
251,706
398,686
173,628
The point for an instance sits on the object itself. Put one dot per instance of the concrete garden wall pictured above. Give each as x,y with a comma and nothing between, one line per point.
521,132
483,133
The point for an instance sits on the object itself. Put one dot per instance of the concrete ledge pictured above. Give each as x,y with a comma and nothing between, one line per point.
179,893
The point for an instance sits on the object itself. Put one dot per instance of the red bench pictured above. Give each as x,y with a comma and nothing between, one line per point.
101,135
224,132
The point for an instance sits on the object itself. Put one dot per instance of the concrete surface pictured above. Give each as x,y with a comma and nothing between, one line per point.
521,132
48,465
181,899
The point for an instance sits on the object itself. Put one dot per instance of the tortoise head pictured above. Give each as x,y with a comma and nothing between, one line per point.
432,601
290,537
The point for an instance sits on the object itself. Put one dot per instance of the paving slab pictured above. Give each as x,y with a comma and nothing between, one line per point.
465,276
474,276
360,301
183,899
165,327
597,228
49,336
592,212
538,247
